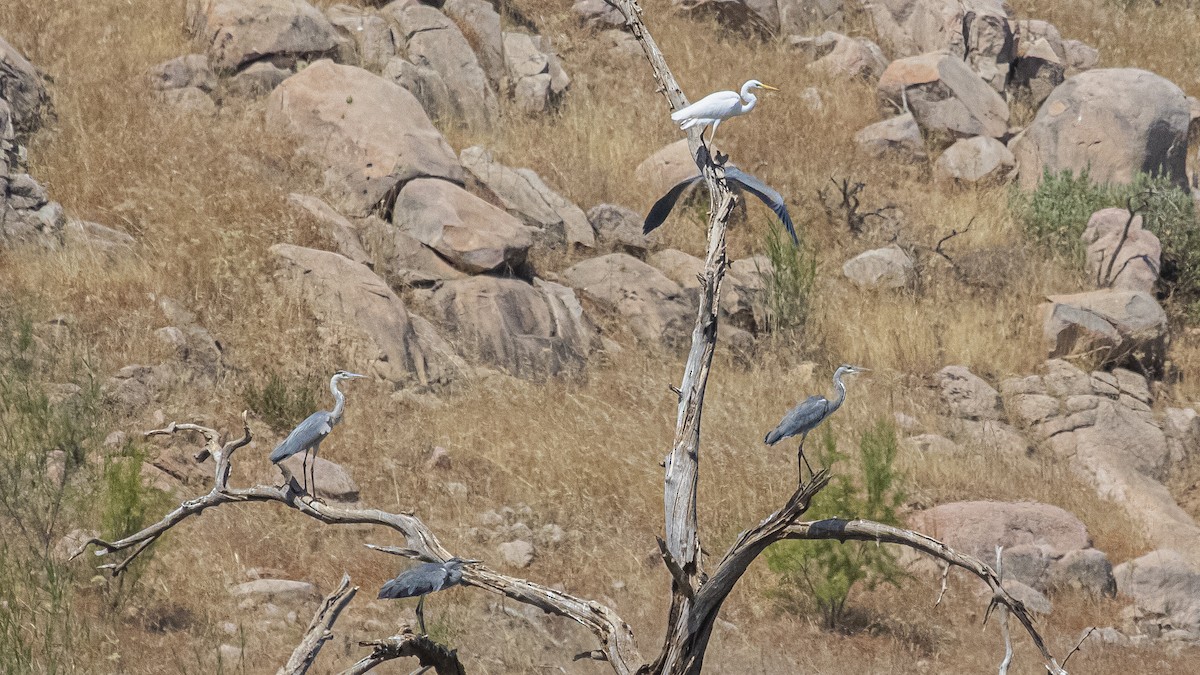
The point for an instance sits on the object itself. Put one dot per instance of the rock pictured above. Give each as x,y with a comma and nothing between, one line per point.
471,234
931,443
967,395
682,268
482,25
1032,409
1087,570
369,135
650,304
843,57
190,70
236,33
423,82
1181,426
620,45
804,17
230,654
357,312
978,31
1113,123
134,387
759,17
880,268
1111,326
977,528
276,591
343,232
740,289
369,33
433,40
1033,600
665,168
332,481
523,194
1112,434
978,159
22,89
517,554
106,241
1110,637
403,261
620,229
991,436
1138,260
1165,588
597,14
258,80
528,330
439,459
1079,56
1038,70
538,77
899,136
945,96
1028,32
532,94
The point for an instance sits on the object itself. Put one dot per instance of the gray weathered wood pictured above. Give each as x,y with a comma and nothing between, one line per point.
320,629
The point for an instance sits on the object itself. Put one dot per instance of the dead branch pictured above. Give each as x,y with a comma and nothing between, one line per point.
428,653
865,530
849,205
320,629
1008,650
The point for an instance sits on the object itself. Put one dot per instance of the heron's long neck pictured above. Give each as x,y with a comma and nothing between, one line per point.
339,401
748,101
841,391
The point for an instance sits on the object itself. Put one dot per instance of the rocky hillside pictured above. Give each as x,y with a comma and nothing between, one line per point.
210,206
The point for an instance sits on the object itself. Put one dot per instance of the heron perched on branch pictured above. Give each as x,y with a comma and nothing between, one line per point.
718,107
307,435
662,208
424,579
811,412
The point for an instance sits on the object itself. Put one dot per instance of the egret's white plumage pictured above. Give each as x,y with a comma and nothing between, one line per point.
718,107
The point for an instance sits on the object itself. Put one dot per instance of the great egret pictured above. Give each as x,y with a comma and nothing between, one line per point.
718,107
811,412
307,435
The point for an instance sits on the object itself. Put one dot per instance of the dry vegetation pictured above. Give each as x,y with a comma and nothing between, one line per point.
206,198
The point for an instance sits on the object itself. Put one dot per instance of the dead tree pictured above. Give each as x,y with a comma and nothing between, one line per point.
696,595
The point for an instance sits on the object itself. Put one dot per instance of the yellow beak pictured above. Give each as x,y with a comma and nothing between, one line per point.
767,87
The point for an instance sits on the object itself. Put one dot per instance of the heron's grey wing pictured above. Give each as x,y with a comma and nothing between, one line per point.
800,419
422,579
662,208
766,193
306,434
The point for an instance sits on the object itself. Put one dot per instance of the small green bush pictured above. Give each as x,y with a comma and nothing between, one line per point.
280,403
789,282
822,573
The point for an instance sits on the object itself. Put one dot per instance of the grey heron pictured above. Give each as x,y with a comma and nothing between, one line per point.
662,208
307,435
424,579
718,107
808,414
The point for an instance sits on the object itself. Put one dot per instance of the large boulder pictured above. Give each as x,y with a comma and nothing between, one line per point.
976,30
529,330
190,70
667,166
523,194
536,75
367,36
741,287
945,96
1165,587
1112,123
842,57
805,17
22,88
331,480
368,134
1110,326
620,229
1127,260
342,231
880,268
967,395
649,303
433,40
1039,69
470,233
425,83
754,16
977,528
27,216
975,160
899,136
236,33
482,21
401,259
361,317
598,14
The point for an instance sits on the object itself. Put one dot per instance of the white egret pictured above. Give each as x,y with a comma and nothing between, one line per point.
718,107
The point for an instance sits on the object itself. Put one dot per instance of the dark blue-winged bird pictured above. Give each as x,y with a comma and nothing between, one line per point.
307,436
424,579
811,412
735,176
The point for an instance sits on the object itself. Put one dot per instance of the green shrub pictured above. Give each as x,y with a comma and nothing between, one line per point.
822,573
789,282
280,403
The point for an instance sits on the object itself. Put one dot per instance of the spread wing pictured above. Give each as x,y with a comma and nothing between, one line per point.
800,419
766,193
662,208
308,433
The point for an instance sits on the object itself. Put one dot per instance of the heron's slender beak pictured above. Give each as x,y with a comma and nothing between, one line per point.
767,87
471,562
353,375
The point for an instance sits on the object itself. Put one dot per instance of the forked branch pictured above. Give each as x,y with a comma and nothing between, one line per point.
428,653
320,629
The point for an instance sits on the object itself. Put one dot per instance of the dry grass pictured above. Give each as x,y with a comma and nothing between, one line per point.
206,198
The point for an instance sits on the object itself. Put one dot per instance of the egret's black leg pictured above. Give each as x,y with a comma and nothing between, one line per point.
421,615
